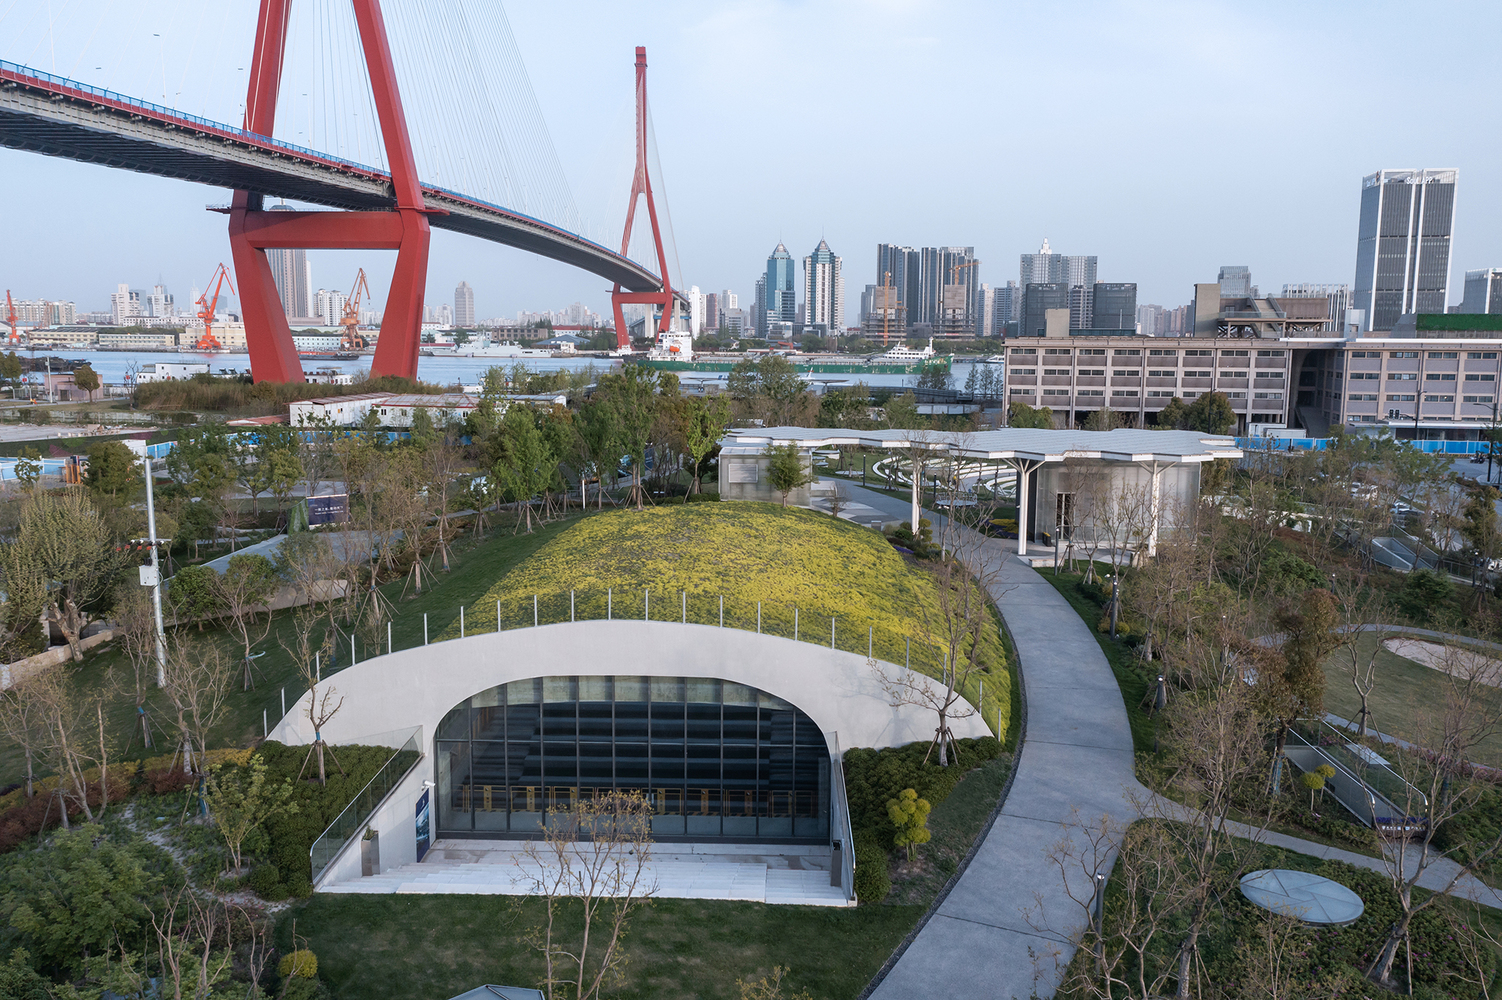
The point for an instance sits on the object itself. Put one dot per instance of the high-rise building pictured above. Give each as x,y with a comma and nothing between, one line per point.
464,306
900,269
328,306
125,305
1338,296
293,276
729,300
823,292
1038,298
1235,281
160,303
1078,272
711,311
759,307
1152,320
986,322
1113,305
1007,308
695,310
781,293
1483,291
1403,244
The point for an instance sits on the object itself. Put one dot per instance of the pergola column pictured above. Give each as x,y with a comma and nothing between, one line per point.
1024,470
1154,506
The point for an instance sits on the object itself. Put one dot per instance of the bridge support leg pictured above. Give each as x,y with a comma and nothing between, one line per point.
401,323
273,355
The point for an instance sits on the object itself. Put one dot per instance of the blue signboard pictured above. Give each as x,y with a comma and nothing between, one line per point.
423,834
333,509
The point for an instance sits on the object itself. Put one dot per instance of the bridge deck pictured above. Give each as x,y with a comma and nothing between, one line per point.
58,117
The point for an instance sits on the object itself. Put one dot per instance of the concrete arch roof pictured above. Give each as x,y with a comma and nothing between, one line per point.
839,691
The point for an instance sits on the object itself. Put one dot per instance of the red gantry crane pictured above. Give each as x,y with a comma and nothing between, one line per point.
351,340
206,307
10,317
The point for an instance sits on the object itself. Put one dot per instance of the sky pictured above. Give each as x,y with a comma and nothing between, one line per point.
1166,138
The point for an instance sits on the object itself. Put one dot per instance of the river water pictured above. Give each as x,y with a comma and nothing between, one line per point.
441,371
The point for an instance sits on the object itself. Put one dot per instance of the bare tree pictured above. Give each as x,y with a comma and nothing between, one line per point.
186,928
135,627
593,854
957,627
244,590
1439,784
23,721
198,681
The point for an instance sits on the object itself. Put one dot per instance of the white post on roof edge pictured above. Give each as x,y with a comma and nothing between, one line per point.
1152,534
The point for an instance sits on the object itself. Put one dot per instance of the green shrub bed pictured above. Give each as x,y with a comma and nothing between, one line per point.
874,776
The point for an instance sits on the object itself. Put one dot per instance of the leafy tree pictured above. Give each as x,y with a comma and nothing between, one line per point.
242,591
786,469
87,379
934,375
599,443
19,981
707,418
112,470
83,894
10,369
62,541
192,595
1022,415
1174,416
769,386
526,464
1211,413
241,799
29,467
902,412
909,815
846,407
632,397
1295,686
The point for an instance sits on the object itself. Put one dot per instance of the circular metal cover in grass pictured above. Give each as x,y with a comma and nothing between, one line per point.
1310,898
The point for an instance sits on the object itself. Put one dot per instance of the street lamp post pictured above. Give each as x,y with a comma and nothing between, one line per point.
155,578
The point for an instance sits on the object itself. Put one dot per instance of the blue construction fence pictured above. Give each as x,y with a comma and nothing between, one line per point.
58,466
1320,444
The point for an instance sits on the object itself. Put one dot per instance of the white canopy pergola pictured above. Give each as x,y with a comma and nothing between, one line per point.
1025,449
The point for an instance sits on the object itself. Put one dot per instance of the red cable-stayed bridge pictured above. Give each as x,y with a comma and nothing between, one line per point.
376,208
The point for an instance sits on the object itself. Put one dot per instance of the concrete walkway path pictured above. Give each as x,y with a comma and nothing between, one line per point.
1008,925
1006,929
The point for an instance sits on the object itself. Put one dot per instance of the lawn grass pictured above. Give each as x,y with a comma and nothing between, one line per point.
474,567
1403,691
426,947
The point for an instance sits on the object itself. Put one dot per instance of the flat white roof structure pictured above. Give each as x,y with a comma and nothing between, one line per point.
1009,443
1025,449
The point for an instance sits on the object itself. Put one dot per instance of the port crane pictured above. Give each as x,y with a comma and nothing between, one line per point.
10,317
206,307
351,339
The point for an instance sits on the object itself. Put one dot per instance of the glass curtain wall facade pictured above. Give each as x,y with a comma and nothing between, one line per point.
716,759
1403,246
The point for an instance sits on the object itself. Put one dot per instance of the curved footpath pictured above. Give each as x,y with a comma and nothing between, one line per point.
1007,926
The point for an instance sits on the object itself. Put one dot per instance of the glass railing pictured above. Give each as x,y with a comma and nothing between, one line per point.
351,822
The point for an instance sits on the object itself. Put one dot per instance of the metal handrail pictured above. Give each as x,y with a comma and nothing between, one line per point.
840,829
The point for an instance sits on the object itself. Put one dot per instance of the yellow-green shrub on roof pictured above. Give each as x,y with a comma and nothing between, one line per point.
657,560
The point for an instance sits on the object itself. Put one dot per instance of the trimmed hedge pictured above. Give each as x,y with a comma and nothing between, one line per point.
873,877
874,776
285,869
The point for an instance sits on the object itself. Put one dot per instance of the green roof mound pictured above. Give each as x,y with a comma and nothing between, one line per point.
678,561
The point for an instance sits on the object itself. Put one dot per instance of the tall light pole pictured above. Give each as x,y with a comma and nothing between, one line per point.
154,578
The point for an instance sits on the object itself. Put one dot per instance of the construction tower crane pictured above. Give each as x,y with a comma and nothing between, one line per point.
351,340
10,317
206,307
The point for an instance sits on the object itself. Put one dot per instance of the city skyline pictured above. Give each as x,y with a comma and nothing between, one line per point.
1152,220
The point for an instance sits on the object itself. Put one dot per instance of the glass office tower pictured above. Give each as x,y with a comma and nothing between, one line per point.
1403,245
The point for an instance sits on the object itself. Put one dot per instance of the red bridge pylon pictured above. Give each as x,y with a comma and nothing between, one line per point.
252,231
641,184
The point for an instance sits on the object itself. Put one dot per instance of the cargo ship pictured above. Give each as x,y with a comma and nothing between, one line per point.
674,352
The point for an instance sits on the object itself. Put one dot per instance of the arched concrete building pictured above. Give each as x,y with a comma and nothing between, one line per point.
732,735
